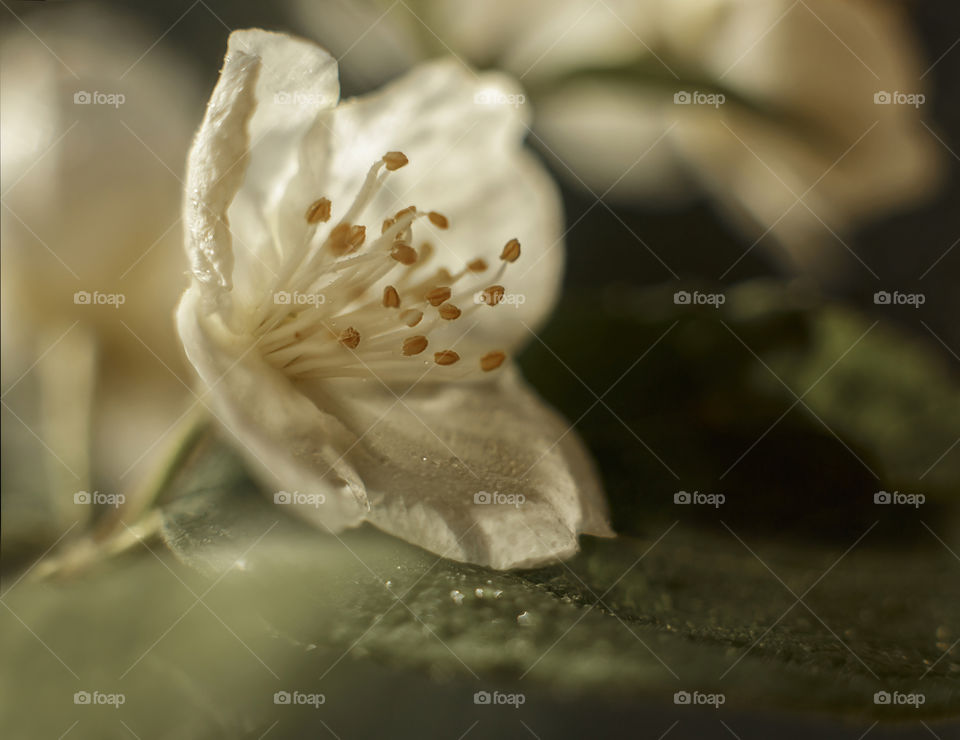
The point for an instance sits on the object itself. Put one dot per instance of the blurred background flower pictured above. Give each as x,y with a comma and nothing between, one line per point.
94,134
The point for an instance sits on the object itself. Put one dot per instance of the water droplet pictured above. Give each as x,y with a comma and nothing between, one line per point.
457,597
498,594
424,459
478,593
524,619
388,584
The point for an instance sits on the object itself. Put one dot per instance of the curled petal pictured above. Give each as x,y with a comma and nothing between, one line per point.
249,111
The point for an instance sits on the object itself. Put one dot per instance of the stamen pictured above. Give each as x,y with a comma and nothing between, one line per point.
491,361
302,344
404,253
391,298
350,337
493,295
445,357
395,160
437,296
449,312
414,345
318,211
511,251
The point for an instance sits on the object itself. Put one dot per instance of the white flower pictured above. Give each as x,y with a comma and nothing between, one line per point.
799,116
352,344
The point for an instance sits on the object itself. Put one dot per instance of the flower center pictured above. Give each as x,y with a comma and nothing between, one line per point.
326,317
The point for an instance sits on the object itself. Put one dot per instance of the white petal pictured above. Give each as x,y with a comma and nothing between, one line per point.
293,445
270,91
425,457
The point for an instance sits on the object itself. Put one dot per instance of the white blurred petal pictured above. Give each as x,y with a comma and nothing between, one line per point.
92,194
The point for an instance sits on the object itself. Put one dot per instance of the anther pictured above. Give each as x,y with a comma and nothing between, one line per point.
438,220
356,237
403,212
414,345
350,338
445,357
391,298
511,250
395,160
338,239
411,317
404,253
493,295
346,238
318,211
437,296
478,265
449,312
491,361
387,223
